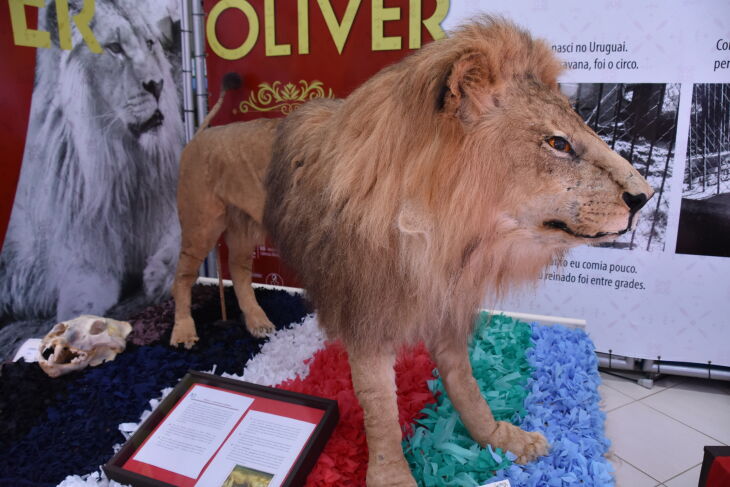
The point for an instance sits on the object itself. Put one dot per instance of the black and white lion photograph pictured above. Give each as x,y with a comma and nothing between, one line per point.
94,219
639,121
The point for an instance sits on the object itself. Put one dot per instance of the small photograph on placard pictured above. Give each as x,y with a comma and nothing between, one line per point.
704,218
242,476
639,121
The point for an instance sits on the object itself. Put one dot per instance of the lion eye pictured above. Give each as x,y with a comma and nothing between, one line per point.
114,47
560,144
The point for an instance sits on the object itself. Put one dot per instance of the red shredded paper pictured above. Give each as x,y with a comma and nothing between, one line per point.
344,459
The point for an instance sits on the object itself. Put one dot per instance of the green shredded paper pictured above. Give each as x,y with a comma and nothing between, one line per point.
441,452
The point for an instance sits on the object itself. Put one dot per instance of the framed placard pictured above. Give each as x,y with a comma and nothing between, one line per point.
216,432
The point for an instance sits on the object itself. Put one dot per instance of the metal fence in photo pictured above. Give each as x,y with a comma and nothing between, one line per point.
707,170
639,121
704,217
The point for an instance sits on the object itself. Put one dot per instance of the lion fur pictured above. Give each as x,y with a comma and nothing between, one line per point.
457,173
221,189
391,195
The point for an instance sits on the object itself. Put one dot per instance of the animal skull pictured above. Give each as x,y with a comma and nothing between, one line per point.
86,340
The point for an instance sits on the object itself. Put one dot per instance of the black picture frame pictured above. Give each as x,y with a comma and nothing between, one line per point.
302,465
711,453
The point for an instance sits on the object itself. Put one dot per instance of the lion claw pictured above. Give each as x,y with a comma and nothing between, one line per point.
183,332
187,341
260,327
537,446
260,330
525,445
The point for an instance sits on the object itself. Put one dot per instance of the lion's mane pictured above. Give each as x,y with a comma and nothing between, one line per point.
94,198
383,189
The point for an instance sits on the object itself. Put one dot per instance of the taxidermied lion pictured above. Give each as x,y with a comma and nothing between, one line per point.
95,205
221,189
459,172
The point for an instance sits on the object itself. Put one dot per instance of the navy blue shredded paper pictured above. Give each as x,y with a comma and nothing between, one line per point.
52,427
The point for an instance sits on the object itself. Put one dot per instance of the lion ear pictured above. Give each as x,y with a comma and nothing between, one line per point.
470,89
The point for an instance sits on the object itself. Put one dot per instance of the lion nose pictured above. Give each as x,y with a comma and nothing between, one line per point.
154,87
634,201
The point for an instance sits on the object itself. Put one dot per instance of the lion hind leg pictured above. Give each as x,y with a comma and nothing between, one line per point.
201,227
242,236
452,361
373,378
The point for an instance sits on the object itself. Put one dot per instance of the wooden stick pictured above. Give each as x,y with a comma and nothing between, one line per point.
219,270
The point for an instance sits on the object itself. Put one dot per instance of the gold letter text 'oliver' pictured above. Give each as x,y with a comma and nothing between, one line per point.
253,29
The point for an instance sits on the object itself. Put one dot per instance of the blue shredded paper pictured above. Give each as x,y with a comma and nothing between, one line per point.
564,405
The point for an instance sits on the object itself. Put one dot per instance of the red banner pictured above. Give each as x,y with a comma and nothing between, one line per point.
288,52
16,86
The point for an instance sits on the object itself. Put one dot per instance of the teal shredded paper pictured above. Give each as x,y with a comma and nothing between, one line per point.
542,378
441,452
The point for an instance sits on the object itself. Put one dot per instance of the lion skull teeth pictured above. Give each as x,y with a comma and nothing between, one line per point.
86,340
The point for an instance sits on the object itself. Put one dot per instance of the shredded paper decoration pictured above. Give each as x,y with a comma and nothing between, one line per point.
542,378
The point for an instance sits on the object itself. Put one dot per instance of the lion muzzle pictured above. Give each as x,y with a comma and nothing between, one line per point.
151,123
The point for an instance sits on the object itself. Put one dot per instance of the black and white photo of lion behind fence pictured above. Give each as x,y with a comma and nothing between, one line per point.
704,219
639,121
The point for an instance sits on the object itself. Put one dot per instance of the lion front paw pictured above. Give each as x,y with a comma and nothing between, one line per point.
184,332
527,445
258,324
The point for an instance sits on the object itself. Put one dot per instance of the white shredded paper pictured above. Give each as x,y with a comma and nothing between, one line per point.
96,479
285,355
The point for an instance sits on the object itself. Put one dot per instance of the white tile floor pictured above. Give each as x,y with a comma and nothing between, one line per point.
658,434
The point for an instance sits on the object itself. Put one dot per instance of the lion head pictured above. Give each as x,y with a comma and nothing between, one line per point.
127,92
135,60
471,151
563,184
533,164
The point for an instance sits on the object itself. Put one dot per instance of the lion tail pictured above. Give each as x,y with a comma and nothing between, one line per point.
231,81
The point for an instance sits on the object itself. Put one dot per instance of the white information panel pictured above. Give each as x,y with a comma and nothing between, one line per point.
653,79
